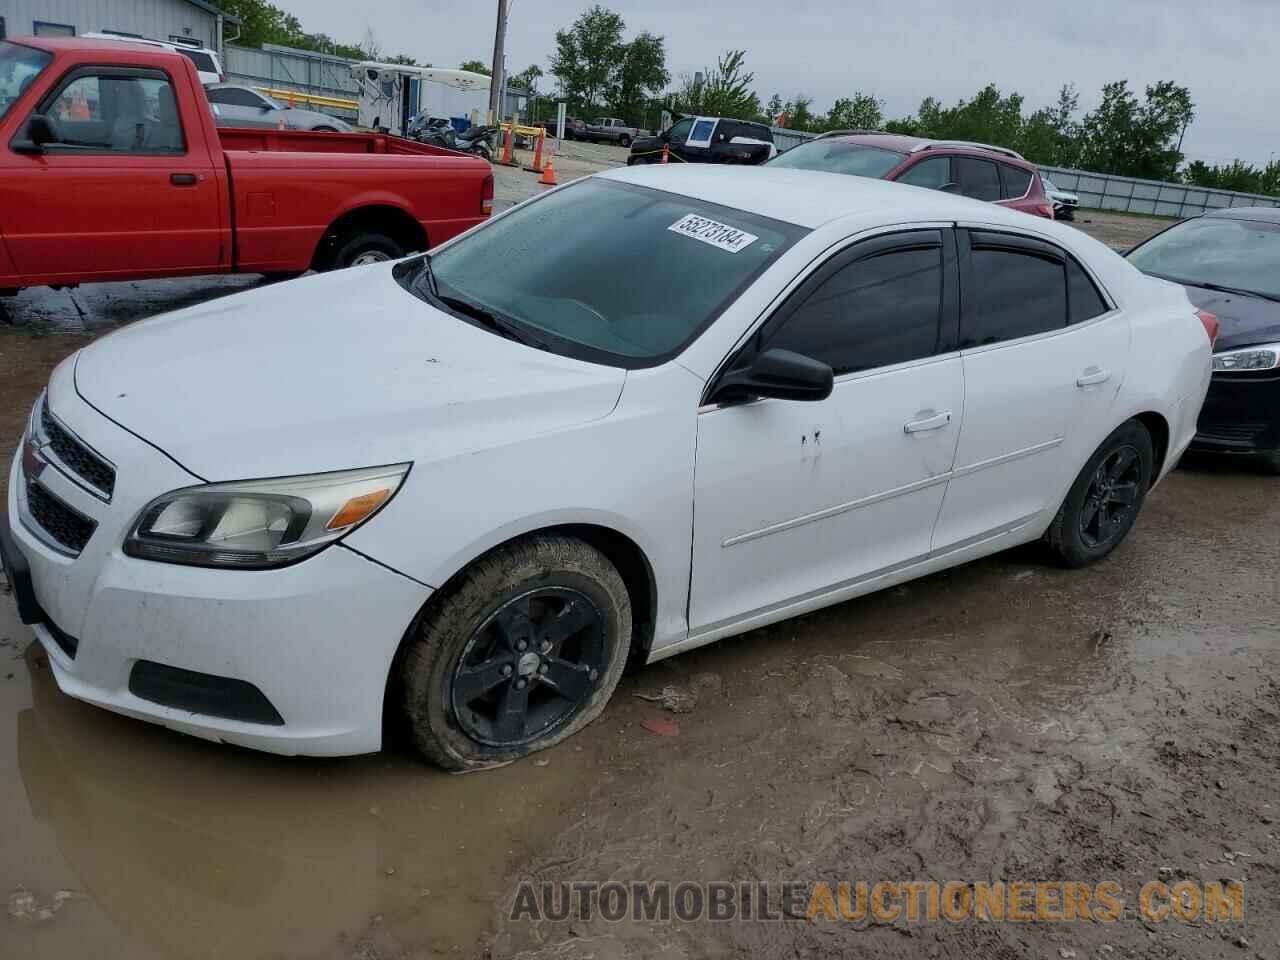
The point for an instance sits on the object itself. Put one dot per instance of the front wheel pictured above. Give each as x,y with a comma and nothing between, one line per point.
366,248
1103,503
525,651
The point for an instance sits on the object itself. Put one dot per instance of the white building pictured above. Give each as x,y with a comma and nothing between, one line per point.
158,19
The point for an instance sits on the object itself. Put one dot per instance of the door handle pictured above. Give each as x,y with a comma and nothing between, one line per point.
182,179
936,422
1092,377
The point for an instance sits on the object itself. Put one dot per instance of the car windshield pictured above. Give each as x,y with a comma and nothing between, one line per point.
1217,251
1048,184
836,156
19,67
607,272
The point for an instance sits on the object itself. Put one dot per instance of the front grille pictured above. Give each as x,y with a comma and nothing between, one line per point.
66,526
90,467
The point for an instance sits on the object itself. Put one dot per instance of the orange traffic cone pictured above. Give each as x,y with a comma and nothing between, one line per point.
666,152
536,167
508,147
549,173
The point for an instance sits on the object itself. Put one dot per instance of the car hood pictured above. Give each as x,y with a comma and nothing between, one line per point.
331,372
1243,320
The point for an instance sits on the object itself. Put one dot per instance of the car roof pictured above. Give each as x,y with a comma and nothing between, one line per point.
82,45
148,41
809,198
900,143
1265,214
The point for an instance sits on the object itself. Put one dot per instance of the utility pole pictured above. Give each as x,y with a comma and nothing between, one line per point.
499,65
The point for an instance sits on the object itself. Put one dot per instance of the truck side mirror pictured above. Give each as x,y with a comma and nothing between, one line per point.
39,133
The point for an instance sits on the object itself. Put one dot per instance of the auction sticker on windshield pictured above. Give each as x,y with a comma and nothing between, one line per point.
720,235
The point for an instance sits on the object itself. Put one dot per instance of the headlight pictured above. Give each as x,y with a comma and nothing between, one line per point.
1263,357
257,524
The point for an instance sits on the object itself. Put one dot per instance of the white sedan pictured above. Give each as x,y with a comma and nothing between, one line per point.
643,412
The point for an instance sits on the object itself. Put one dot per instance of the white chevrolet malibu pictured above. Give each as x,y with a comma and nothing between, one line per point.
643,412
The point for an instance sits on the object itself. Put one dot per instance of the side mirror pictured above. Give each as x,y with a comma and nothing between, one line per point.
40,132
780,375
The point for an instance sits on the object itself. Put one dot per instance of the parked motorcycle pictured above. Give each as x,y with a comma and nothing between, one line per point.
438,132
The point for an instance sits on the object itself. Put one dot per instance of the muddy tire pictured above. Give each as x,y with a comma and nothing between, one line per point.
366,248
1105,500
524,651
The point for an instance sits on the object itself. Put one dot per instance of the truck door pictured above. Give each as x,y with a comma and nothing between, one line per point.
125,188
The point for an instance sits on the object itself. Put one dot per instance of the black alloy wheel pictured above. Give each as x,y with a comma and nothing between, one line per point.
529,668
1112,499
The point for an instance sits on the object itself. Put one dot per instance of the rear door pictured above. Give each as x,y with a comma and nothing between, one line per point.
798,500
234,107
1044,356
126,191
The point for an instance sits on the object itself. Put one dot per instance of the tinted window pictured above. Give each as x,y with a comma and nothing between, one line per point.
236,98
1015,294
977,178
1017,181
874,312
755,131
613,306
680,130
1082,296
203,61
702,130
934,173
836,156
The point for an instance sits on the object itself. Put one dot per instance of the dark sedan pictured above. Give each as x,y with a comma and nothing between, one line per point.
1229,263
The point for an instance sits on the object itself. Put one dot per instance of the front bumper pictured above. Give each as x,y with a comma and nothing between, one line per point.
1241,414
315,640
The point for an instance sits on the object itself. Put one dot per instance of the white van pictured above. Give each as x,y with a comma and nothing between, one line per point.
207,63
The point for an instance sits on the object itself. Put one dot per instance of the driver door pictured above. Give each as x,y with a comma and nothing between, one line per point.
795,502
126,190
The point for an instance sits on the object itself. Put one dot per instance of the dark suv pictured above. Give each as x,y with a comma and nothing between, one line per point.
969,169
707,140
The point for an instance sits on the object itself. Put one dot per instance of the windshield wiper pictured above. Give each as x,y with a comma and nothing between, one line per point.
425,274
490,320
1239,291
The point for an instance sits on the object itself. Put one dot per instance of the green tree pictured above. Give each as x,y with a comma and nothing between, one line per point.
587,55
262,22
641,72
1051,135
799,111
475,66
723,91
859,112
1137,139
528,78
775,107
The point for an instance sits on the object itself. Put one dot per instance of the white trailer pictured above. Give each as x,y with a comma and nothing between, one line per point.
391,94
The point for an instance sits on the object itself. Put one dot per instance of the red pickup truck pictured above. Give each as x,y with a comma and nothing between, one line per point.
111,168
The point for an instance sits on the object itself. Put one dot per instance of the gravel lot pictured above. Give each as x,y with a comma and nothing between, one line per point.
1002,721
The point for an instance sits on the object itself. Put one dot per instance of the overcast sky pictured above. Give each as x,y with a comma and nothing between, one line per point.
901,51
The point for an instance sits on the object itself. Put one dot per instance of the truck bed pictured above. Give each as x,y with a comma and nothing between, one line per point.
305,141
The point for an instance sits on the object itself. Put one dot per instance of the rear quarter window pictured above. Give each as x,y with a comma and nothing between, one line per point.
204,63
1084,302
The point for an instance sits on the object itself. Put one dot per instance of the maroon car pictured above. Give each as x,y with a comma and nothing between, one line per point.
969,169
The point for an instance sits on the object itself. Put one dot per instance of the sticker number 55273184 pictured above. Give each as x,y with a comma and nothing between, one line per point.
719,235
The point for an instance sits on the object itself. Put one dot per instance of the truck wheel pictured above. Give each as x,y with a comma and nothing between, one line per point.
523,652
1103,504
366,248
624,141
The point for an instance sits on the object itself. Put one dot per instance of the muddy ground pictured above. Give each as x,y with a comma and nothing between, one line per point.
1004,721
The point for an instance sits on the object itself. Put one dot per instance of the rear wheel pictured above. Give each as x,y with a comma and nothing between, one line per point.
1104,502
525,651
366,248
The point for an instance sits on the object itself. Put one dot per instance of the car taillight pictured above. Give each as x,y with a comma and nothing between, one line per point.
1046,210
1210,321
486,196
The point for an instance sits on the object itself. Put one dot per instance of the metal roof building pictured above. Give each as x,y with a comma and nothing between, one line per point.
158,19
